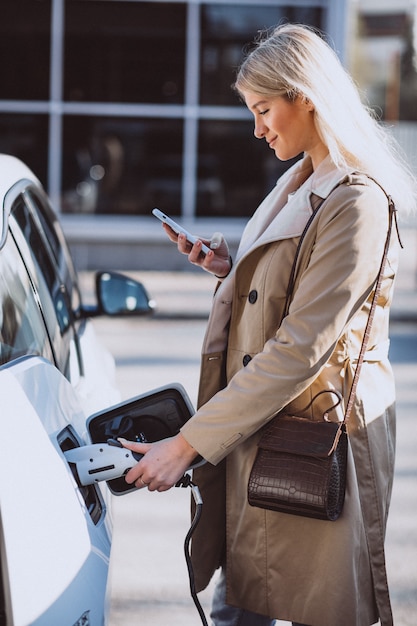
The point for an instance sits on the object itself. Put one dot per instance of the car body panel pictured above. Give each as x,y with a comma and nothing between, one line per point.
98,366
37,489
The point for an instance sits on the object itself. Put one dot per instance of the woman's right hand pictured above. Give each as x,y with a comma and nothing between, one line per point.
217,261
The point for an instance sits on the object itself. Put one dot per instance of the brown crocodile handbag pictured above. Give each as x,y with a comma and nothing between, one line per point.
300,467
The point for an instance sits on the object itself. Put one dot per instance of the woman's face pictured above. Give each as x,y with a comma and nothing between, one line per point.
287,126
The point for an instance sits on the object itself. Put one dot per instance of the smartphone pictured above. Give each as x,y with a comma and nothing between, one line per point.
178,229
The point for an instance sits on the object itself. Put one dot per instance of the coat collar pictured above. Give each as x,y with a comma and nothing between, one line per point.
285,211
327,176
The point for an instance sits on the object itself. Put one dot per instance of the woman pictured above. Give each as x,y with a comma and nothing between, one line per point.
277,565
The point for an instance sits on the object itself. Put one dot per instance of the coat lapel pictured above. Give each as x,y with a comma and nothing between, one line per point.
282,213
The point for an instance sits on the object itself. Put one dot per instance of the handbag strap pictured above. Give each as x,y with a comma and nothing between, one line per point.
367,332
291,280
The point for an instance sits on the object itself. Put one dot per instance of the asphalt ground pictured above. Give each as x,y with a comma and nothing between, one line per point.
149,578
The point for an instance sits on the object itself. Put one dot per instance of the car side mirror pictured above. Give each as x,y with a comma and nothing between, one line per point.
119,295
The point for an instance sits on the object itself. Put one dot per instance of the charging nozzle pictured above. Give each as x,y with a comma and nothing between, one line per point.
101,461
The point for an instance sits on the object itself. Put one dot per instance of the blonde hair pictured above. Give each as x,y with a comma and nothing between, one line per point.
295,60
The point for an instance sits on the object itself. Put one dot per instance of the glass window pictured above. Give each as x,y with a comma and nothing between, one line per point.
226,30
55,240
124,51
24,219
46,223
383,61
122,165
26,137
53,294
235,170
22,330
24,49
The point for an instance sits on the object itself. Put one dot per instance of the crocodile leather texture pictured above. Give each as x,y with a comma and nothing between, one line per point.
300,468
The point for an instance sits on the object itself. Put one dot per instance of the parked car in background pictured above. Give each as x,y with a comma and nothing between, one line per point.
55,534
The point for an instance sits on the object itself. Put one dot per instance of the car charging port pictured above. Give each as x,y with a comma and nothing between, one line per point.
67,440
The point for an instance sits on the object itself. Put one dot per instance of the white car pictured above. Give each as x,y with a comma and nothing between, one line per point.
55,533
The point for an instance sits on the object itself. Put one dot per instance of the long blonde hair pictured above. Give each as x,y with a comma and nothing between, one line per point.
295,60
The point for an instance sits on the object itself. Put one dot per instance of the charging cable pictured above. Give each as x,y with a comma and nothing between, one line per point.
186,481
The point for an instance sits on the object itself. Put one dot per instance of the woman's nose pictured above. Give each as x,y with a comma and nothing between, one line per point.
259,130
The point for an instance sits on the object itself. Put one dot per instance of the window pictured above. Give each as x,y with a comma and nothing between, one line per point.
384,61
53,295
53,238
235,170
122,165
124,51
26,137
22,330
25,49
226,31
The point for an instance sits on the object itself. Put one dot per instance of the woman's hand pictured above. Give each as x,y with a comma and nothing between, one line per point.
216,261
163,464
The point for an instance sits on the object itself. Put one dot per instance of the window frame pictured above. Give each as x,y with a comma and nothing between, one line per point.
62,287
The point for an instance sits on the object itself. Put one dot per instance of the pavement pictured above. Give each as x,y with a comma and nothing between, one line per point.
149,580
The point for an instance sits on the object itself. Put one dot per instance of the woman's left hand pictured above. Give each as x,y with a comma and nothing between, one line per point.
163,464
217,261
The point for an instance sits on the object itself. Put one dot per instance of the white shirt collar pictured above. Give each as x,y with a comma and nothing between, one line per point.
286,209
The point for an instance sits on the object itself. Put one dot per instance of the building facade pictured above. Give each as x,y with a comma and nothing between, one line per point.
122,105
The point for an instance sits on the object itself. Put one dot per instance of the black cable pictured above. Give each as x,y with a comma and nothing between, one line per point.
186,481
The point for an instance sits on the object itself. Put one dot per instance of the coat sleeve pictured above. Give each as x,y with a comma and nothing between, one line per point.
339,277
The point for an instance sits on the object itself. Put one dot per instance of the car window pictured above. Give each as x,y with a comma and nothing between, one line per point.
31,233
53,296
22,330
55,240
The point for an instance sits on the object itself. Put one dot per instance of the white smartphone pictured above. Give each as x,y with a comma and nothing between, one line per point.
178,229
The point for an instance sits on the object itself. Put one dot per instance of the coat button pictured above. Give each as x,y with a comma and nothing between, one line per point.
253,296
246,359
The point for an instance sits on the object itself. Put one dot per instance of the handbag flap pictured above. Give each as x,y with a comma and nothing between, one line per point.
297,435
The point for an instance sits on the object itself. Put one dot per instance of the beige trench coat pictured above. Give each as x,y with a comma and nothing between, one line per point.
293,568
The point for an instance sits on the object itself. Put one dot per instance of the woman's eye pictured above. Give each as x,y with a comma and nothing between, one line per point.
263,112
